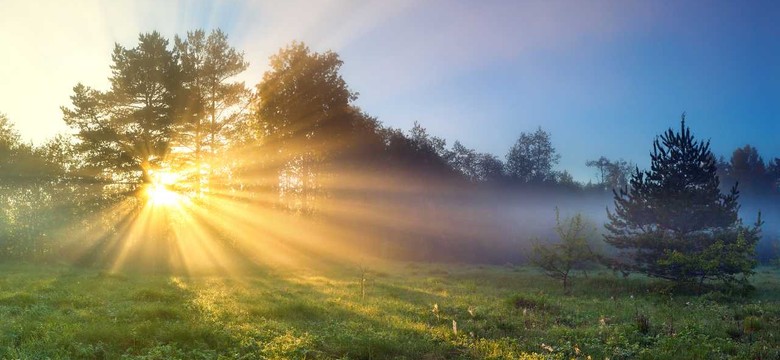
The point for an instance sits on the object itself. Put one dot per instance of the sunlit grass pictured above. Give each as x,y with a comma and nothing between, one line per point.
501,313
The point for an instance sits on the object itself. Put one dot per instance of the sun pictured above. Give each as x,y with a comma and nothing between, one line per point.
159,194
158,191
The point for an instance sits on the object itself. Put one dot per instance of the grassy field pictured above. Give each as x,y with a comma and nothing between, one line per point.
408,312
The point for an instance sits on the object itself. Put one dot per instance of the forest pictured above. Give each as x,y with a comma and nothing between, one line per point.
187,206
294,147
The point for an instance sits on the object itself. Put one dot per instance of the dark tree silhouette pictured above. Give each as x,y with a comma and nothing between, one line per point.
212,104
748,168
490,169
531,158
673,222
306,120
464,160
774,174
125,133
612,174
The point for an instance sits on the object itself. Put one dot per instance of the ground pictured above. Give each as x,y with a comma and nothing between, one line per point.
409,311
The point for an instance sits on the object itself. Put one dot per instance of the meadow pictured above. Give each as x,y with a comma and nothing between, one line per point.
393,311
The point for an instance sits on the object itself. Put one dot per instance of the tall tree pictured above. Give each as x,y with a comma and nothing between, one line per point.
125,133
532,157
673,222
303,99
304,116
213,103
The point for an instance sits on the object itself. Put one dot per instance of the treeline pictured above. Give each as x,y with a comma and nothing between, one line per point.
294,145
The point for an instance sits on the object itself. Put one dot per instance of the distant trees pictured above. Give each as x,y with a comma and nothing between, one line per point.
747,167
9,141
475,166
673,222
612,174
532,157
489,168
774,174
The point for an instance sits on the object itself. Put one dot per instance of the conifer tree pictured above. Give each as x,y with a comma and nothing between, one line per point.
673,222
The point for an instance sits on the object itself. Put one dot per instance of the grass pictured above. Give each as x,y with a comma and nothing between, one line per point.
53,312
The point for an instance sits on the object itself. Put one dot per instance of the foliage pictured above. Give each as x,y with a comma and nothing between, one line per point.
572,252
674,223
532,157
125,133
211,106
612,174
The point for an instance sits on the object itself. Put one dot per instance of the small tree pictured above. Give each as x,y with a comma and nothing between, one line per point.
573,252
674,223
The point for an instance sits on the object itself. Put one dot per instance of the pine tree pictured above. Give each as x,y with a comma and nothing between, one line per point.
125,133
673,222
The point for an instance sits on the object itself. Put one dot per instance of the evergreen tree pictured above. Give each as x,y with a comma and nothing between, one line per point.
213,104
673,222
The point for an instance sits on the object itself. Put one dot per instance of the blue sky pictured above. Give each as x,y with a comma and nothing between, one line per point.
603,77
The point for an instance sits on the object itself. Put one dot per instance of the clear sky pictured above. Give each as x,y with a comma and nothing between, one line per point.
603,77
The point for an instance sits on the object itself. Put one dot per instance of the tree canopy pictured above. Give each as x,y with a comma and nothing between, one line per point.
532,157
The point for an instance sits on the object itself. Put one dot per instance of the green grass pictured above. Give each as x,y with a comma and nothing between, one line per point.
52,312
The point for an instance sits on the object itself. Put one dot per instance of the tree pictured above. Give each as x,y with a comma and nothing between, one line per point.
125,133
9,141
213,103
490,168
612,174
748,168
464,160
774,174
566,179
531,158
18,160
674,223
305,119
572,252
304,100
